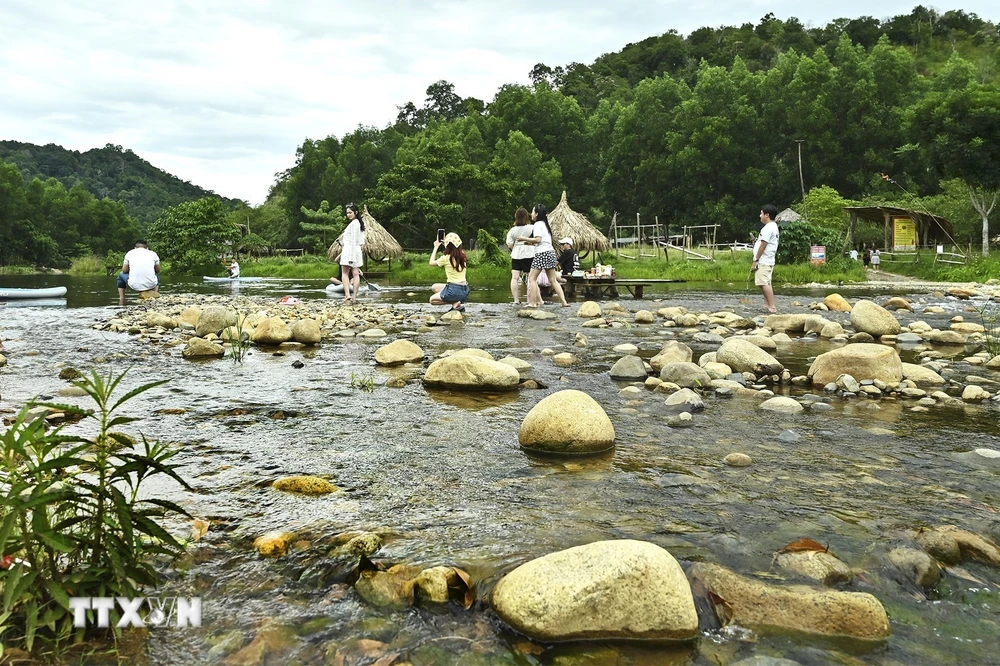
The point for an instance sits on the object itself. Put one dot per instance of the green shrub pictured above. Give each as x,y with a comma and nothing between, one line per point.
73,522
490,249
795,240
88,264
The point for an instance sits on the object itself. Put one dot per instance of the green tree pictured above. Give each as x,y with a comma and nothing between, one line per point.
959,132
194,234
323,224
826,208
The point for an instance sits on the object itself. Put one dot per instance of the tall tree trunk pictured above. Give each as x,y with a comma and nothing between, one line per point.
978,196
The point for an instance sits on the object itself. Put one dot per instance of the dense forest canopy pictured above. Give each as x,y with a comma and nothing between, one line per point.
697,129
111,172
694,129
43,223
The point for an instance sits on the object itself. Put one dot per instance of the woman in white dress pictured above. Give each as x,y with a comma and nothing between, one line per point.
352,256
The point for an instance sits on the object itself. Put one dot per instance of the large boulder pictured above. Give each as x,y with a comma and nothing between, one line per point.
306,331
684,400
631,368
786,322
861,361
398,353
589,310
922,376
744,356
155,319
272,331
605,590
781,404
213,319
868,317
471,372
190,316
688,375
201,348
566,422
837,303
672,352
757,605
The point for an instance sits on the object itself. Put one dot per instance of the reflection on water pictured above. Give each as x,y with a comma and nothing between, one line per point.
439,475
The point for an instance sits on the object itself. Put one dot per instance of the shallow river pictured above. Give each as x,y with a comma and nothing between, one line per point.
441,478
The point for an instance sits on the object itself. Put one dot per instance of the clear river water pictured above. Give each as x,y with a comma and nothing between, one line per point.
439,475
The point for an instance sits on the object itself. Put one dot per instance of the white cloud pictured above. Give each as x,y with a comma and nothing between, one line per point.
221,93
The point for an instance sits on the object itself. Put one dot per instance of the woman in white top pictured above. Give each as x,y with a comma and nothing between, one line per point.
352,257
520,254
544,260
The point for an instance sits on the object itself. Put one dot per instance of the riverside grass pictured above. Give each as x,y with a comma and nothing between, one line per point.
978,269
414,269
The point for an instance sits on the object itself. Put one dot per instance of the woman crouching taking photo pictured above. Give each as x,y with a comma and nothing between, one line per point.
454,261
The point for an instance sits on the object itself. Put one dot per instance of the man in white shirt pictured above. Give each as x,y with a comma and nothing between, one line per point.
764,252
234,269
139,271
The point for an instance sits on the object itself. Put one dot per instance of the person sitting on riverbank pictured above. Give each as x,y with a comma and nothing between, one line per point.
569,260
454,262
139,271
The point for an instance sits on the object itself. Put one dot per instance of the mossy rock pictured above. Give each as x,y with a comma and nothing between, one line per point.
305,485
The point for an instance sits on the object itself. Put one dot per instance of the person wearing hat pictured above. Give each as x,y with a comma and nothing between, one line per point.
569,260
454,263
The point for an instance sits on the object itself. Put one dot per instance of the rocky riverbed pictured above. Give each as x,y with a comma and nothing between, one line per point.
817,485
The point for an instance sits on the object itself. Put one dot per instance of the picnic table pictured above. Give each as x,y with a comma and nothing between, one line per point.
596,287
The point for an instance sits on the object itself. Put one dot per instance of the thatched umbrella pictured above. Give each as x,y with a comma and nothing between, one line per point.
787,216
379,243
567,222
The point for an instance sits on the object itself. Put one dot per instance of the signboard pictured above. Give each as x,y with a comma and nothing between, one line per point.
904,234
817,255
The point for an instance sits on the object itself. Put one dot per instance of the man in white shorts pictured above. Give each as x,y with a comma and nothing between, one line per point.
139,271
764,252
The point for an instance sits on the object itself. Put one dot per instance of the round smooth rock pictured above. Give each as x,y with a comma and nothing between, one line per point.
621,589
567,422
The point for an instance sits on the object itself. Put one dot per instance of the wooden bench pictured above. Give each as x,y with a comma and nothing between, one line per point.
608,286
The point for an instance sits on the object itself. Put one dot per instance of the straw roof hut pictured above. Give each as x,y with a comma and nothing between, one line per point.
379,243
567,222
787,216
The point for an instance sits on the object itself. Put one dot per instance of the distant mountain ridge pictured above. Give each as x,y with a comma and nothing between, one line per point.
110,172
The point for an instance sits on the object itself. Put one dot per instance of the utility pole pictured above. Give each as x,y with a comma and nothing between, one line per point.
802,182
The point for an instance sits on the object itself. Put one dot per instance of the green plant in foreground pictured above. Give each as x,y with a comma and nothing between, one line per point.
989,316
364,382
72,523
240,344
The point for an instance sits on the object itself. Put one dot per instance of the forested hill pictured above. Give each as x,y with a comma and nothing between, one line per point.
930,36
687,130
109,172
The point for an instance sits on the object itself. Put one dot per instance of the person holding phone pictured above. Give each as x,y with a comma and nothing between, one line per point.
352,256
520,254
454,263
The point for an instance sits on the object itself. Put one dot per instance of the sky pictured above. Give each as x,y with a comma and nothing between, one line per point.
222,92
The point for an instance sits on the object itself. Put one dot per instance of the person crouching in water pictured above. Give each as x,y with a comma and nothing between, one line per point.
545,258
454,262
